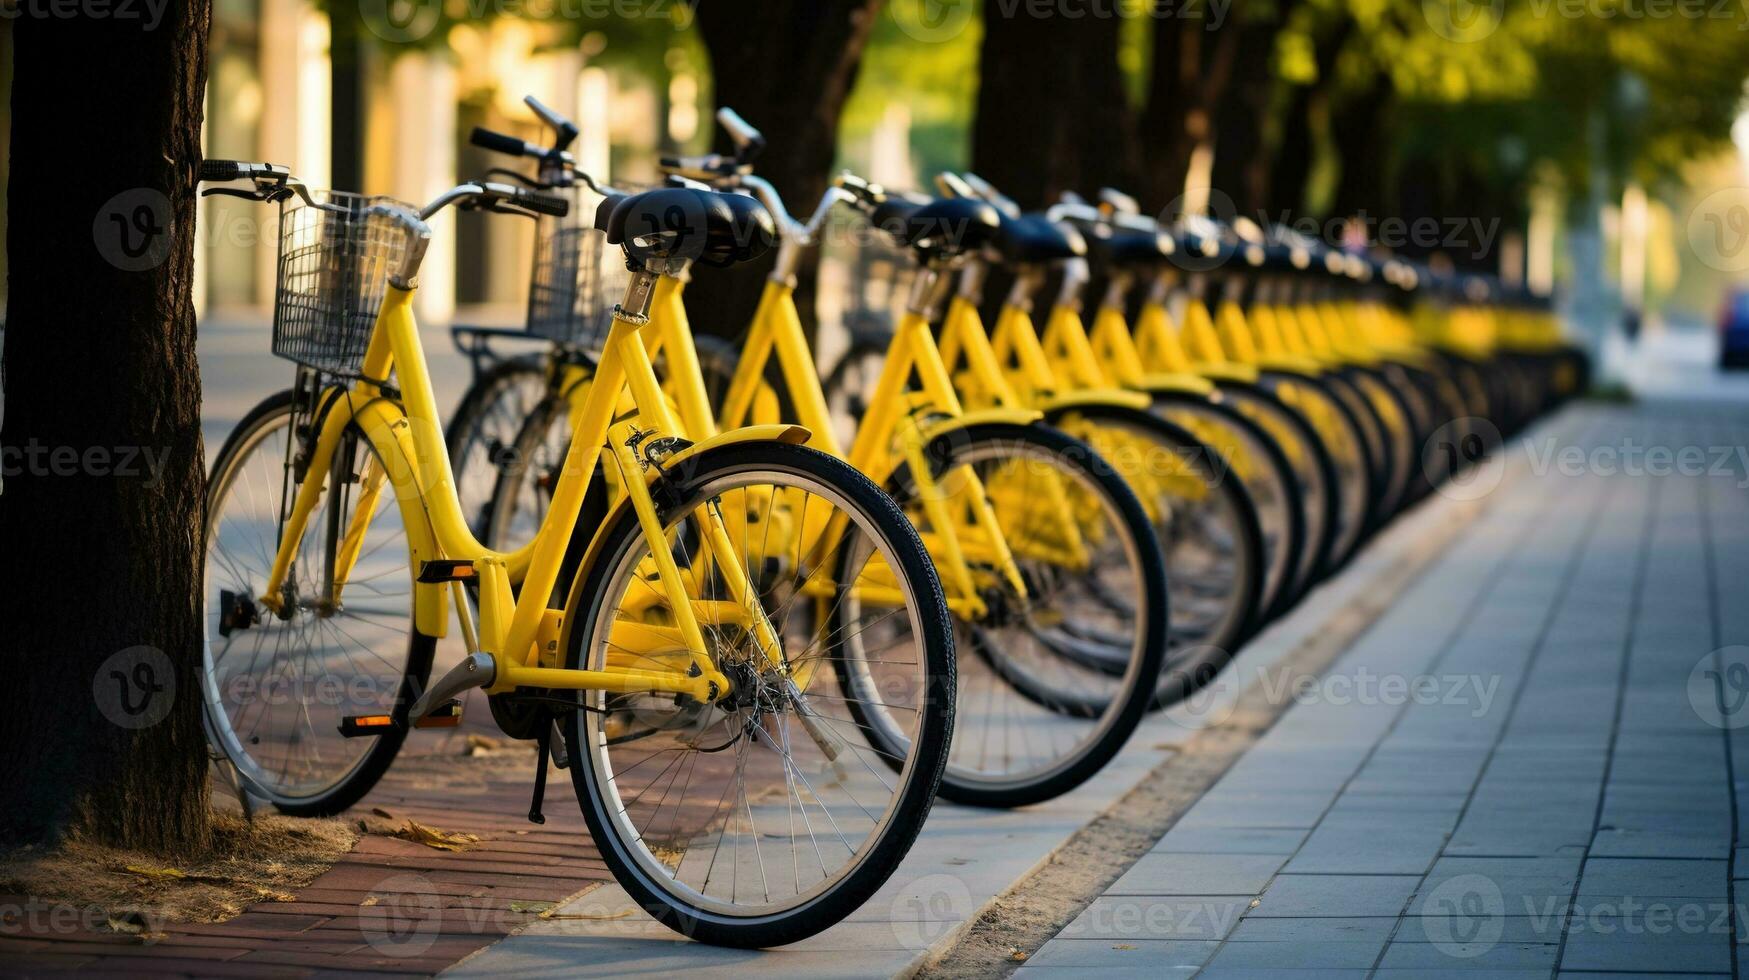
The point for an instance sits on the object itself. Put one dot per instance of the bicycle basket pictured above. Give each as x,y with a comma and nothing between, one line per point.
333,270
576,277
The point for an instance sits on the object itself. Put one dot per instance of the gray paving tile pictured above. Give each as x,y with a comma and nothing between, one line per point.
1186,917
1379,849
1243,973
1418,928
1150,972
1646,953
1461,974
1335,895
1209,839
1470,956
1314,930
1353,955
1156,954
1572,975
1197,874
1645,876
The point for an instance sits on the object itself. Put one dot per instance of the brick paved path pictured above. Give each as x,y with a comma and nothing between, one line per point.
1555,796
431,908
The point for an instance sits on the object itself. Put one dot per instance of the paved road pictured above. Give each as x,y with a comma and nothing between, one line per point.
1555,797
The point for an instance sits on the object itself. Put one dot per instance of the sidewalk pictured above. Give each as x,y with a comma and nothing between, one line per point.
1517,761
1540,779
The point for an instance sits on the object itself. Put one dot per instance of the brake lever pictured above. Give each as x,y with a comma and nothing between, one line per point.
521,178
258,195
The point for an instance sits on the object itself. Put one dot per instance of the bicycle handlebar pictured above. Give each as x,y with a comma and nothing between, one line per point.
501,198
504,143
564,130
749,142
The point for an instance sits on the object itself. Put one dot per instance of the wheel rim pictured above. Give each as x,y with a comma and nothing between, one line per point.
1033,702
276,689
832,815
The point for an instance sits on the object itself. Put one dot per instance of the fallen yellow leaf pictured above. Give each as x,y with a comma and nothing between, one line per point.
418,833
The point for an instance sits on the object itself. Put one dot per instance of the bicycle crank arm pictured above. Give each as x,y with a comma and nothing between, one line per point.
475,670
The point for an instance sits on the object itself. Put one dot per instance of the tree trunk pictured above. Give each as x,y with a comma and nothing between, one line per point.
1175,118
1294,155
1359,125
102,506
1199,67
1052,111
1242,161
787,70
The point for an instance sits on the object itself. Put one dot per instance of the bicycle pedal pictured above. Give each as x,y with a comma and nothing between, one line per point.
446,715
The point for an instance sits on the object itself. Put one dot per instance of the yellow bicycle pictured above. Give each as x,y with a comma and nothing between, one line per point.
718,738
1049,566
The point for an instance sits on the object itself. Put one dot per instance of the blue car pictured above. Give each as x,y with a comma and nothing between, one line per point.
1734,330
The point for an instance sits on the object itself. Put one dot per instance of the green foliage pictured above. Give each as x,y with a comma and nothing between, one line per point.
935,79
1637,87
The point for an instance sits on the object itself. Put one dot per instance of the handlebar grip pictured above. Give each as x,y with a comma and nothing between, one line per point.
563,129
220,170
498,142
548,204
749,140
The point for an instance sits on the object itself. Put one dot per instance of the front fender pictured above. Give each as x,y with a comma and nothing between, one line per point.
390,433
1164,382
794,435
980,416
1228,372
1096,398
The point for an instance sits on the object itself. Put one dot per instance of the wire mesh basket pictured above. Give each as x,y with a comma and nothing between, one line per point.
576,277
333,269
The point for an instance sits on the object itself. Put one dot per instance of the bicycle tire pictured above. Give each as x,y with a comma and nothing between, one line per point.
686,483
1180,678
421,648
1119,712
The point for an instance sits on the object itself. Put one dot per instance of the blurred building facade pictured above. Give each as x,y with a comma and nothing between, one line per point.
277,92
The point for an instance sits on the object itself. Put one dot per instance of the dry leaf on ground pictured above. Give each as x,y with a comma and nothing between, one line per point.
418,833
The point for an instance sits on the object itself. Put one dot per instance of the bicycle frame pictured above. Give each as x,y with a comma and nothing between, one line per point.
955,541
522,633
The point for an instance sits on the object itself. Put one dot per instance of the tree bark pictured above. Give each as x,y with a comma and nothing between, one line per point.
102,503
1294,154
1052,112
787,70
1175,117
1242,162
1359,125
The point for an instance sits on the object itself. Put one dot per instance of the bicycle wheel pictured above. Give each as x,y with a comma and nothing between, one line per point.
525,481
1391,407
1207,530
481,435
1041,706
1374,440
1269,480
277,685
1341,435
772,814
1320,491
850,383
